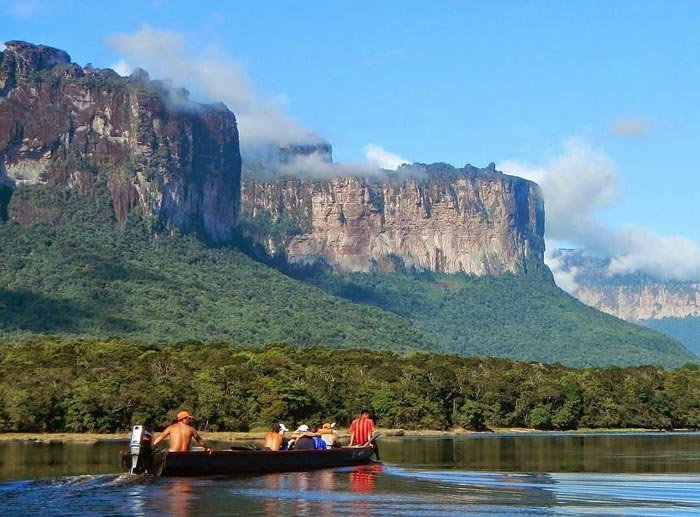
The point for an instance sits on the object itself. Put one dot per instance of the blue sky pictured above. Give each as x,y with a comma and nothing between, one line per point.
598,101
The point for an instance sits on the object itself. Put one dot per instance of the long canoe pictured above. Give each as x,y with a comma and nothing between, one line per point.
229,462
141,458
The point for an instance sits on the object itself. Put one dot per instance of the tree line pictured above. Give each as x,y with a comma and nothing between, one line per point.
52,384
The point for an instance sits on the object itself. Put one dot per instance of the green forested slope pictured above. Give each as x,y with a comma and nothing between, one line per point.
96,280
686,330
515,316
77,273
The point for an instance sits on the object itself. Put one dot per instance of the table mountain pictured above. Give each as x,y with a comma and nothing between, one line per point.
631,297
432,217
155,152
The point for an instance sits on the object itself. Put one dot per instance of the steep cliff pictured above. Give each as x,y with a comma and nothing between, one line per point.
649,301
432,217
152,149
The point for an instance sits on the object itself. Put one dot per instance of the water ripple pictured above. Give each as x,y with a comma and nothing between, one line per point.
390,490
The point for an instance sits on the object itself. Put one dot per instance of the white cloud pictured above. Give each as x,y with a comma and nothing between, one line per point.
213,76
315,166
576,185
382,158
564,278
663,257
122,68
630,127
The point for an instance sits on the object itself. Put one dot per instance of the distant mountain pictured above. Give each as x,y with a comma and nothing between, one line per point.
631,297
671,307
686,330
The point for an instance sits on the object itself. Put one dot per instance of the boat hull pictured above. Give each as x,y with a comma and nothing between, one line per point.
212,463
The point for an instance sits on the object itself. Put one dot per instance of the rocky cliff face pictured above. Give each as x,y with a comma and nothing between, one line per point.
649,301
630,297
476,221
159,153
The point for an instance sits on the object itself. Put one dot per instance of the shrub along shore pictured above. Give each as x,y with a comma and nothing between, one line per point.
253,436
61,385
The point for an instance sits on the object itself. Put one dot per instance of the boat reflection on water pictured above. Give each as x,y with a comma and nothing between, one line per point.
317,491
282,487
325,481
362,479
180,497
273,483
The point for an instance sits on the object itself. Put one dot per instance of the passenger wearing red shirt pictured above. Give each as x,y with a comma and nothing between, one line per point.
361,429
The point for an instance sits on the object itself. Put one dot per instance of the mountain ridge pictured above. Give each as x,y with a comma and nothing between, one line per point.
120,216
433,217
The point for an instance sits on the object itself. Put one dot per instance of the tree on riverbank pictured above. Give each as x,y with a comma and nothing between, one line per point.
64,385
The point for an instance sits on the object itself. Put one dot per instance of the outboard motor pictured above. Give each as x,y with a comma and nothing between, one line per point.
141,450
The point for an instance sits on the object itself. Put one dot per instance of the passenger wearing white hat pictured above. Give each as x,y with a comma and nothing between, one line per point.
299,438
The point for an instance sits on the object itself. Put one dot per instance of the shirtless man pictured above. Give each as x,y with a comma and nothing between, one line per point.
274,439
181,434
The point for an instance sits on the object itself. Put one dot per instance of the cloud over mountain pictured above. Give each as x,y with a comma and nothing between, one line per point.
576,184
212,75
379,156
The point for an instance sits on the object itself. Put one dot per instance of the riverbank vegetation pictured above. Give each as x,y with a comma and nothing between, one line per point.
66,385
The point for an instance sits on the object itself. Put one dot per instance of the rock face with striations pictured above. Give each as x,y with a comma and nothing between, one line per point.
631,297
647,301
433,217
158,153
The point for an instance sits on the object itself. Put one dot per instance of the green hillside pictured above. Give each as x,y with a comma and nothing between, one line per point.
514,316
685,330
79,274
95,280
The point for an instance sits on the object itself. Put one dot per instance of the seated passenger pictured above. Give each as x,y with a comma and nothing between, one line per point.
303,438
274,439
319,443
362,429
329,435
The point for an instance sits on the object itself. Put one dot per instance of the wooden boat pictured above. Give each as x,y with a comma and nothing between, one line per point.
141,459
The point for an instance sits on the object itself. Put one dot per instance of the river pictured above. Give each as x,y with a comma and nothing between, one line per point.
653,474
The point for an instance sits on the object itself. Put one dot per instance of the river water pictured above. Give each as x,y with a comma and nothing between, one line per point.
521,475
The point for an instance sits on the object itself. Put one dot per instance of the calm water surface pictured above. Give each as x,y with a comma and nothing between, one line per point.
594,474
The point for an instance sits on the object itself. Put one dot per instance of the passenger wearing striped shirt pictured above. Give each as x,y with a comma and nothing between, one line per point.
361,429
